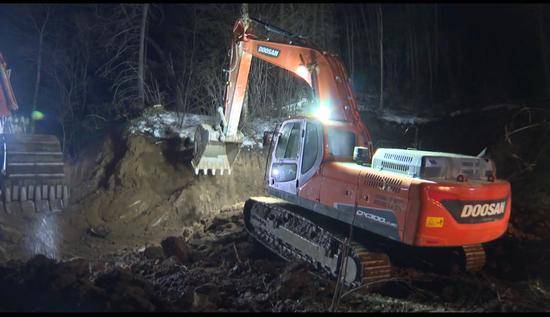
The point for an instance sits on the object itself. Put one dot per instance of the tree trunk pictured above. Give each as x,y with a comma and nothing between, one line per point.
381,42
436,41
41,32
38,70
141,65
543,49
367,32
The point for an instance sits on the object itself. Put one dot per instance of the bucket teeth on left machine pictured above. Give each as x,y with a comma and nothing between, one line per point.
34,198
213,171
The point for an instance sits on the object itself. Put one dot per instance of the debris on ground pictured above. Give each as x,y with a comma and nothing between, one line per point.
99,231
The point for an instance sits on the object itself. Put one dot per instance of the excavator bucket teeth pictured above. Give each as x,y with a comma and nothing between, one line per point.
212,154
33,177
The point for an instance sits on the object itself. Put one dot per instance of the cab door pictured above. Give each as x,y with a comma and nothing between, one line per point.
286,157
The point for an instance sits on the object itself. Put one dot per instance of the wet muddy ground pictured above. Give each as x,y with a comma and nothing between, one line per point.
218,268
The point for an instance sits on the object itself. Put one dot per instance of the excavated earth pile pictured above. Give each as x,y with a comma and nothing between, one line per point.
129,190
142,189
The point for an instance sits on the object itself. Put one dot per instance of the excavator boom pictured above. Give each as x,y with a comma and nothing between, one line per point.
217,148
7,97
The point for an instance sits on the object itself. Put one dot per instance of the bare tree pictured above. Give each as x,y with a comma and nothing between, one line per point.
69,71
39,24
141,65
543,47
381,42
121,30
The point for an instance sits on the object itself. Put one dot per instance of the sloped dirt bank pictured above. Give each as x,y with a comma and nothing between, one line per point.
142,189
130,190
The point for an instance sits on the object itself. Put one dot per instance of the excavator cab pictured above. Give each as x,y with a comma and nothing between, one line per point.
296,154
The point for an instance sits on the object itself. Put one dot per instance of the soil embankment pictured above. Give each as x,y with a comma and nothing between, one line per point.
129,191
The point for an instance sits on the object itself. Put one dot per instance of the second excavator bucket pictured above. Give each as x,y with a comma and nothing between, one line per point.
212,153
32,177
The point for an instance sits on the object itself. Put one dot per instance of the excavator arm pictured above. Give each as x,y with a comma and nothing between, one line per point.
322,71
7,97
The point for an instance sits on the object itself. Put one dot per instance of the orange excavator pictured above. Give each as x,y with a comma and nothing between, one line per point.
32,174
331,193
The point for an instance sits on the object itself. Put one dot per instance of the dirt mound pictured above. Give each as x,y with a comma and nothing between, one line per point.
128,191
138,189
131,177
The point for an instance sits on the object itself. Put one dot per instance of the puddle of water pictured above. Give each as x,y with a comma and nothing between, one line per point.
43,236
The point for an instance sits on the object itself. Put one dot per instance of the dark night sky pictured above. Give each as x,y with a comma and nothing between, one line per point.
499,45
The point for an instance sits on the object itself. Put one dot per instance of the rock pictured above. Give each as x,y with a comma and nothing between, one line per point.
295,282
264,266
154,252
40,261
187,232
217,223
39,272
79,266
245,249
206,297
99,231
69,272
176,246
9,235
169,261
99,267
127,292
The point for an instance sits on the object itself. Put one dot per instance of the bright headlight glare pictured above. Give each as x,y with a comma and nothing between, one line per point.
322,112
302,71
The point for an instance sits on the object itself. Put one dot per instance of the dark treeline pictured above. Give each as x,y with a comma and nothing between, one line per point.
90,64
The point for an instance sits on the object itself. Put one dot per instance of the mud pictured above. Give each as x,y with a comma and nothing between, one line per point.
223,270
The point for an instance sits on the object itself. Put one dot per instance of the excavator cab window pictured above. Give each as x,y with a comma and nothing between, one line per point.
341,142
285,165
311,147
289,142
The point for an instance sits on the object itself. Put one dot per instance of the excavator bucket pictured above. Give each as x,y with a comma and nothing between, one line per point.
211,153
33,177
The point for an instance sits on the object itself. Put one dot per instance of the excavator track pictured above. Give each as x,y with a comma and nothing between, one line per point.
474,257
33,178
297,236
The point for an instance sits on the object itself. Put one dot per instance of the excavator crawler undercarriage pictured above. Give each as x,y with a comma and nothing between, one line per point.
291,234
295,234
